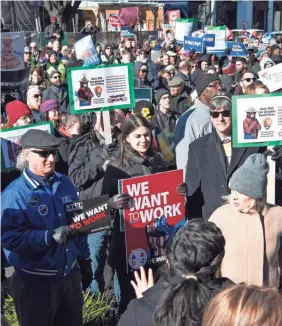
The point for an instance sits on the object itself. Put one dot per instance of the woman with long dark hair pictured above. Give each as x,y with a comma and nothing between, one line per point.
136,158
188,283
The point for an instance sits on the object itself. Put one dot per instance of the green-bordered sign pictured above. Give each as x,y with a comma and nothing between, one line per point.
183,27
220,39
11,143
257,120
104,87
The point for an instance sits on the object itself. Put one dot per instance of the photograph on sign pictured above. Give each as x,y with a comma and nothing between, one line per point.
93,88
257,120
12,51
169,33
11,143
157,211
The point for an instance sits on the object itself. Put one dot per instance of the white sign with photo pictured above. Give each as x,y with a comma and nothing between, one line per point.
272,77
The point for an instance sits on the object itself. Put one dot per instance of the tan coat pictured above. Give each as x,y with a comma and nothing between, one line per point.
245,248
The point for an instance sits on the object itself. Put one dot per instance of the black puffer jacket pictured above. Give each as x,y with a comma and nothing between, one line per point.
162,121
87,156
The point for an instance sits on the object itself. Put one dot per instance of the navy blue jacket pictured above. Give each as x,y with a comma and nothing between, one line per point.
30,213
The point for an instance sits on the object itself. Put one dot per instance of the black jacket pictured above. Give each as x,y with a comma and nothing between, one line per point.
161,121
140,311
86,158
208,173
52,93
179,104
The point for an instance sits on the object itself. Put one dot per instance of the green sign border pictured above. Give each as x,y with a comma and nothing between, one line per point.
235,141
123,106
3,168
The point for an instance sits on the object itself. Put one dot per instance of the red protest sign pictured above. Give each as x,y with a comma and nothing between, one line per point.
156,212
114,20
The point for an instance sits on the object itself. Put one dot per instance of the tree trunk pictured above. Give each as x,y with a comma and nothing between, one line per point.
63,10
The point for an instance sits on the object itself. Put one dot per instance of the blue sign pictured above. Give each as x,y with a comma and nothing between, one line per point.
209,39
237,49
127,31
195,43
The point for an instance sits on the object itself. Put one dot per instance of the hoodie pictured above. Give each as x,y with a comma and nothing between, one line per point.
265,62
137,81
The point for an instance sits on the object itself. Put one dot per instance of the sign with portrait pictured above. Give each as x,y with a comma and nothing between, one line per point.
96,88
257,120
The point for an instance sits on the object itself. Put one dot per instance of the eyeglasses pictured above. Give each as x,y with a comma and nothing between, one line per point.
215,114
37,95
216,84
45,154
249,79
56,77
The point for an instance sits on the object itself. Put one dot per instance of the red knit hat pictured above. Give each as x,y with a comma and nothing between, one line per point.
15,110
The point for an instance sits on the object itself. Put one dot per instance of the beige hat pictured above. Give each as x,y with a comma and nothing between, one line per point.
251,110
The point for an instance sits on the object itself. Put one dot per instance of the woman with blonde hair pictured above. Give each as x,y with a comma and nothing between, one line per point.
251,227
240,305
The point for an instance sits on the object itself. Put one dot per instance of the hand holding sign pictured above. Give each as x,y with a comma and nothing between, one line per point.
62,234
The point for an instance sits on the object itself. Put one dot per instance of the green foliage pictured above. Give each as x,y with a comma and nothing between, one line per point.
10,311
94,308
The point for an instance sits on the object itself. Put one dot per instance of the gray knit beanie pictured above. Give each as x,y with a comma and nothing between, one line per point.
251,178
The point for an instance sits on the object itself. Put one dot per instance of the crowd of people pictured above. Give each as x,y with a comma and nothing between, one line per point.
223,267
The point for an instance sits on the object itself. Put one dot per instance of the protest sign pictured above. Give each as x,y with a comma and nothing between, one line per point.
12,51
237,49
14,81
172,15
88,216
93,88
209,39
114,24
85,50
183,27
257,120
156,212
11,143
272,77
220,35
169,33
143,94
127,31
195,43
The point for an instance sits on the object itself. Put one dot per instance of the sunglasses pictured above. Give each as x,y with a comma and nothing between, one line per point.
249,79
144,70
215,84
37,95
215,114
45,154
27,53
56,77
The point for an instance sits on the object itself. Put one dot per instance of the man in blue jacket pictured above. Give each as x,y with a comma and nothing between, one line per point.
50,264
